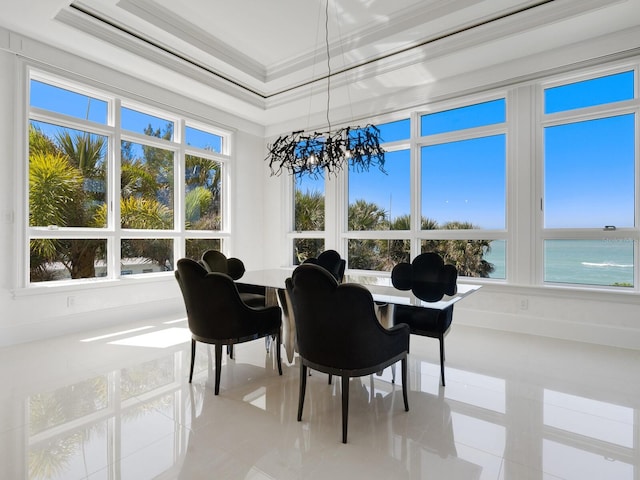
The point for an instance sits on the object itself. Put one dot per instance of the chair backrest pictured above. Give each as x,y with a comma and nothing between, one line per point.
216,261
336,324
213,304
330,260
427,277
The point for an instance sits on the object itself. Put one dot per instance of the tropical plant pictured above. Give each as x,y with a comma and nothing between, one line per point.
365,215
383,254
308,216
60,170
67,189
203,185
54,187
466,255
309,210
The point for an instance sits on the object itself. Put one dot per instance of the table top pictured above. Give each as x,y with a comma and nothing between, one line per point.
275,278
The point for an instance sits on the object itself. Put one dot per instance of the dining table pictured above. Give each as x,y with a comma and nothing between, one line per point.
385,297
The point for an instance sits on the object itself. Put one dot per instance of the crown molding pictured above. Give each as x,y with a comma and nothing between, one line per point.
104,31
157,15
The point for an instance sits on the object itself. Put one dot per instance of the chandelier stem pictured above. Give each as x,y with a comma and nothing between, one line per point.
326,42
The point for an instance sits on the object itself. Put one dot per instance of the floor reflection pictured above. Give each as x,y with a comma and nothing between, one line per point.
116,407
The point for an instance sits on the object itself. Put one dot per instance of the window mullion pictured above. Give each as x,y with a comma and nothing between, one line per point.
115,193
179,190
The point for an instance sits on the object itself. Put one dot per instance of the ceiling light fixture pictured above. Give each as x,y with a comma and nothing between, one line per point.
302,153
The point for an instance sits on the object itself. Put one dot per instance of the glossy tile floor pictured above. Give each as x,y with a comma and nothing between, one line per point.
116,404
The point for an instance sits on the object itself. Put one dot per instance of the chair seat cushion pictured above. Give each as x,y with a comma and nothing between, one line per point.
429,322
253,299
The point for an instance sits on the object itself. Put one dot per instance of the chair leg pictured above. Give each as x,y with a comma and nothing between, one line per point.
303,387
393,373
404,384
442,359
278,345
345,406
218,367
330,378
193,358
230,351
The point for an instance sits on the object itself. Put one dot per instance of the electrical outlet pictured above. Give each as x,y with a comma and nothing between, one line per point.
524,303
71,301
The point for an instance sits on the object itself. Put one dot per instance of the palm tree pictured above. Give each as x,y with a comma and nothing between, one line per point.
86,152
309,211
365,215
60,172
367,254
309,216
53,187
397,250
56,195
203,184
466,255
66,189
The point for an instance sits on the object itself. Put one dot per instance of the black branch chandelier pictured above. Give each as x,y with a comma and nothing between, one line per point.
306,153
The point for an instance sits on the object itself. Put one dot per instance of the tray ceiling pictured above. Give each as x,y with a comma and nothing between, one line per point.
267,53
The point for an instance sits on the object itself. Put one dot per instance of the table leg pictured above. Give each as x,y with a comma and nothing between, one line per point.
288,324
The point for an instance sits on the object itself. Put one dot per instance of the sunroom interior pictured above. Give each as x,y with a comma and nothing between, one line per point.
245,80
512,132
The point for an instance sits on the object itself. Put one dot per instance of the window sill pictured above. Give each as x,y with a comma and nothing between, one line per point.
61,287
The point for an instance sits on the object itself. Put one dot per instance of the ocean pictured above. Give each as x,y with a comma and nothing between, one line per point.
585,262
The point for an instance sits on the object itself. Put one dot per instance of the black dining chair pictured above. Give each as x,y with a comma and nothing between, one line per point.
217,315
429,279
330,260
338,333
216,261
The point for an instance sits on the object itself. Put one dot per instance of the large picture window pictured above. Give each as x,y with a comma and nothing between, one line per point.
589,196
76,227
379,205
463,165
308,217
534,183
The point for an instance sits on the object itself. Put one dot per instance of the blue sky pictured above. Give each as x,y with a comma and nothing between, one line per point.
84,107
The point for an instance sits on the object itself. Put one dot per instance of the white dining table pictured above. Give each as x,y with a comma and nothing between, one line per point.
385,296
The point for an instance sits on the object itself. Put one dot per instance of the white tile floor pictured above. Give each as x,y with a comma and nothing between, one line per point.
116,404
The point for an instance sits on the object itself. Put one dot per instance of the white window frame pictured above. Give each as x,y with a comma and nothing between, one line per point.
579,115
113,233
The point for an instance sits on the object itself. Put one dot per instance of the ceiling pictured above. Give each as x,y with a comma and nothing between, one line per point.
260,56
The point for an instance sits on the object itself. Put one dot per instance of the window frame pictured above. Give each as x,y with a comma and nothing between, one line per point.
583,114
113,233
415,235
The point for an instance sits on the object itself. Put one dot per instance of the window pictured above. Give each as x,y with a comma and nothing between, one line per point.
534,183
463,187
309,217
588,201
75,229
380,201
